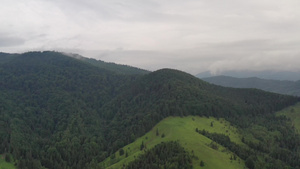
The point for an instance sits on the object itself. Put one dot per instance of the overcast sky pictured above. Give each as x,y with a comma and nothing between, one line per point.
190,35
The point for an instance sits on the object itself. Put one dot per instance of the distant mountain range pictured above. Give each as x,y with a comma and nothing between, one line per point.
276,86
268,74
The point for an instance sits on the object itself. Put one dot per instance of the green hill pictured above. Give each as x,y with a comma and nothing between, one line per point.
61,112
183,130
293,113
244,144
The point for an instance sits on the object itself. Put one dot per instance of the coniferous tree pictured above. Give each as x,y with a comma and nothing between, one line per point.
201,163
142,146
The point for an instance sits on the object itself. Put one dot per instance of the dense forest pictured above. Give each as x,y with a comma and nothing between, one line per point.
170,155
60,112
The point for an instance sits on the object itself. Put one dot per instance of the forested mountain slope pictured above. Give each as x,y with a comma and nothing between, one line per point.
61,112
50,104
121,69
5,57
173,93
276,86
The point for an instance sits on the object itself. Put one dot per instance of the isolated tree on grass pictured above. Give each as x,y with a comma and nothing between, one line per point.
142,146
7,158
201,163
121,152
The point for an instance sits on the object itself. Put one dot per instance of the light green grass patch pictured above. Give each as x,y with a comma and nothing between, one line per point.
292,112
4,164
183,130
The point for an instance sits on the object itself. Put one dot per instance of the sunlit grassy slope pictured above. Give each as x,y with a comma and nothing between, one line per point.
183,130
4,164
292,112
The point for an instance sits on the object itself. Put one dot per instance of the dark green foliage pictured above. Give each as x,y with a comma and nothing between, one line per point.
284,155
59,112
50,109
250,162
7,158
142,146
112,156
164,155
214,145
6,57
201,163
121,152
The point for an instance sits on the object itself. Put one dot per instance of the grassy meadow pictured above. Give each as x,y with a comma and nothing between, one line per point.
4,164
182,129
292,112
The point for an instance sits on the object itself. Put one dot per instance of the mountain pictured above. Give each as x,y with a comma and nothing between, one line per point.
268,74
204,74
276,86
48,99
167,92
121,69
62,112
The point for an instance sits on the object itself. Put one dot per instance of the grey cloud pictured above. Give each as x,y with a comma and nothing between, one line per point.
8,41
240,55
191,35
110,10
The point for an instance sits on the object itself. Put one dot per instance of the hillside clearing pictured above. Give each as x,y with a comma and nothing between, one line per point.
4,164
182,129
293,113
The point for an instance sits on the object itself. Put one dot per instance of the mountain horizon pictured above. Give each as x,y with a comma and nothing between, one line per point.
264,74
61,112
277,86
